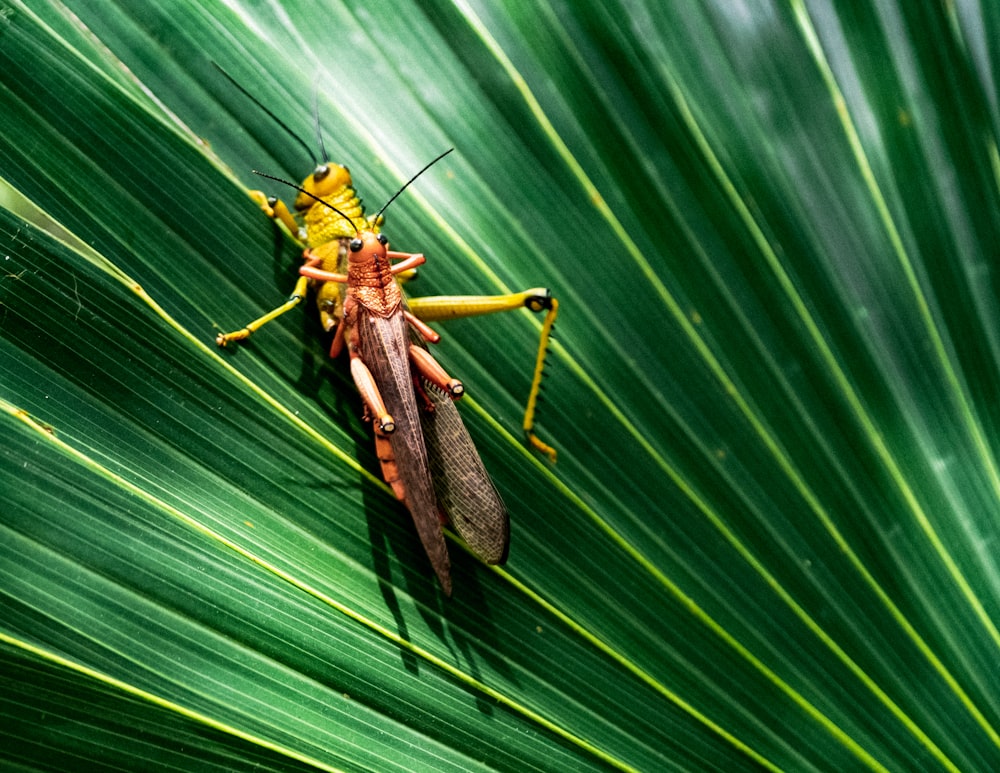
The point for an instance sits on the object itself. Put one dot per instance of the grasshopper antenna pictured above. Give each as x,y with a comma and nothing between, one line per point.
319,129
274,118
406,185
310,195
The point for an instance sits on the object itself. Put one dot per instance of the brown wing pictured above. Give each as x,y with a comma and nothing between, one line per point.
383,344
463,487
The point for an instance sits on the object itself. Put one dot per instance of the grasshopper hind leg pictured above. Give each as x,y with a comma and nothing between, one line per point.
387,461
537,299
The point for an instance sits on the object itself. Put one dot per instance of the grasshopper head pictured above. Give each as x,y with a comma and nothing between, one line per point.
327,181
368,246
327,199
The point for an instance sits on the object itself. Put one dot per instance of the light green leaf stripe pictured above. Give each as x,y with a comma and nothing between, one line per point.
875,436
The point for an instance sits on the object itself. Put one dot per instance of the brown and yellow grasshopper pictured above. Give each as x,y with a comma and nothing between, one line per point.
425,451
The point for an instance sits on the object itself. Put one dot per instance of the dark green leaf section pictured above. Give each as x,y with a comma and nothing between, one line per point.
772,228
57,720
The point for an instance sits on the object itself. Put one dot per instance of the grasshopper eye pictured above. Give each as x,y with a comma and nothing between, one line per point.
320,172
383,240
356,245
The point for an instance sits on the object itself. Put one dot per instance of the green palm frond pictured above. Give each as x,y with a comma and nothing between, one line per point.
769,538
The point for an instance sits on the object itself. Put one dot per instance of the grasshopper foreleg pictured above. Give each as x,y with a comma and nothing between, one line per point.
277,210
426,331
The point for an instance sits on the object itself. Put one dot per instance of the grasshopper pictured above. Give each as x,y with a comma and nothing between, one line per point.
426,454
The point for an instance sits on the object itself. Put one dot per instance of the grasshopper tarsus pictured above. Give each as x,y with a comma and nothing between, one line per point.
224,339
543,448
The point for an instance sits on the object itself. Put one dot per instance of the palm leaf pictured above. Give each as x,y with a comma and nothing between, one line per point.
767,542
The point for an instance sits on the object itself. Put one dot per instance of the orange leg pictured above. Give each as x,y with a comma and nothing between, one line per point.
433,372
425,330
370,394
386,458
537,299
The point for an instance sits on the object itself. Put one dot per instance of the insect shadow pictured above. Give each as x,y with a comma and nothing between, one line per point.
450,622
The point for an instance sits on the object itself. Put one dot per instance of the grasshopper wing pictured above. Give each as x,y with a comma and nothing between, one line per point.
384,347
463,487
